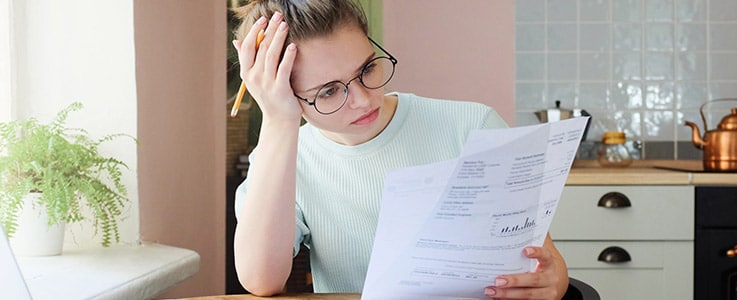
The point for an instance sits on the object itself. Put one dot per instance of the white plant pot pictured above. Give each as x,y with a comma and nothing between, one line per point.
34,237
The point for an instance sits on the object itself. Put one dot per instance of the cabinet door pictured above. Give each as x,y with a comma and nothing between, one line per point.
657,270
654,213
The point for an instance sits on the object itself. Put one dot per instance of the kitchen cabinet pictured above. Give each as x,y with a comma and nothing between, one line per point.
628,242
715,251
656,227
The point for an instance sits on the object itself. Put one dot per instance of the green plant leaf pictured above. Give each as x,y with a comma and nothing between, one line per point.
65,165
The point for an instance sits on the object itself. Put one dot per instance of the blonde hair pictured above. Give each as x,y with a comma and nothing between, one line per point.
307,19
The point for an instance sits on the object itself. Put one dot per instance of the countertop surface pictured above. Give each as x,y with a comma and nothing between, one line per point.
648,172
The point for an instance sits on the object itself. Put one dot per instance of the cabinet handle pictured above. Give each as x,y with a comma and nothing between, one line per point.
614,255
731,253
614,200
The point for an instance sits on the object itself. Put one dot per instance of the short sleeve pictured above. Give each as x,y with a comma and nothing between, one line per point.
302,232
494,120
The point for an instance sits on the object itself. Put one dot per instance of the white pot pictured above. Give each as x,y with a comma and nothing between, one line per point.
34,237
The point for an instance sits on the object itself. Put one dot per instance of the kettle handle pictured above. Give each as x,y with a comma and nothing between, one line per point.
701,109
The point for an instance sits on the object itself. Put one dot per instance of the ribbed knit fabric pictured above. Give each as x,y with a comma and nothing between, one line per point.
339,187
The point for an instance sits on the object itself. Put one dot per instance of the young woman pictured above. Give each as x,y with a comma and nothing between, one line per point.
320,184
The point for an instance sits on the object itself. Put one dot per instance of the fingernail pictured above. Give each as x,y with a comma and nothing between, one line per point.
489,292
276,15
500,282
529,251
291,47
283,26
261,20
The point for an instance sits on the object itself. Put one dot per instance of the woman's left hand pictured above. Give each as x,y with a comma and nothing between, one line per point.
548,281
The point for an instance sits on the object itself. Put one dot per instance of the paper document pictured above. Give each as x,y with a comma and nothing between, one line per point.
447,229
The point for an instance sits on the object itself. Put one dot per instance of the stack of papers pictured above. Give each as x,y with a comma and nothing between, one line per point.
447,229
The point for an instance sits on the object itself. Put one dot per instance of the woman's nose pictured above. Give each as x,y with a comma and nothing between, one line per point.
358,96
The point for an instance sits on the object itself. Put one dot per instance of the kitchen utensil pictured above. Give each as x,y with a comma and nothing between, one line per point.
613,153
557,114
720,144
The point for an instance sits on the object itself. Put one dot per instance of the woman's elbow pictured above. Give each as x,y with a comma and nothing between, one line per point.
261,287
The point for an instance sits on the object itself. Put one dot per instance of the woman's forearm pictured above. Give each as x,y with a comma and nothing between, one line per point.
264,236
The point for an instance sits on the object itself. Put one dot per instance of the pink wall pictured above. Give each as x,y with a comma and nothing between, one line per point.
180,75
461,50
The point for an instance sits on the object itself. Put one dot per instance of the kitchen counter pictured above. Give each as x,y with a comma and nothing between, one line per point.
647,172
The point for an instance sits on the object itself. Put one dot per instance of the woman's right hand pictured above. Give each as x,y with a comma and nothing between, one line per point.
265,76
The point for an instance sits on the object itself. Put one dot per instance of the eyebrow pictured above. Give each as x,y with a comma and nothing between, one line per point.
370,57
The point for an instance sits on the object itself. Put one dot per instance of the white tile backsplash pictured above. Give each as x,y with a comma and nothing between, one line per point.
689,95
724,66
627,36
595,66
690,37
691,66
530,66
723,37
562,37
594,11
658,10
658,126
722,10
659,95
690,10
562,66
529,10
627,65
562,10
594,36
659,37
639,66
626,10
530,37
659,66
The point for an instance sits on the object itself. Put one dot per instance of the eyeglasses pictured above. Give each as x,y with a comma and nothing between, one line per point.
375,74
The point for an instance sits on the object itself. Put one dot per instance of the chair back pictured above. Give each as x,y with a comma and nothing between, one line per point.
579,290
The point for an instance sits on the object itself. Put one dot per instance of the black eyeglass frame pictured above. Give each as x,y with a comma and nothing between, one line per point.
359,77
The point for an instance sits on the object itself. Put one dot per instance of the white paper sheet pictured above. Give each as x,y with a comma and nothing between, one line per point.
447,229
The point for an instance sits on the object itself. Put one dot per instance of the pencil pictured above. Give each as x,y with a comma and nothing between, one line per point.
242,88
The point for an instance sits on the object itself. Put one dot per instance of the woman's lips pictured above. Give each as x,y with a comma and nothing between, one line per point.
367,118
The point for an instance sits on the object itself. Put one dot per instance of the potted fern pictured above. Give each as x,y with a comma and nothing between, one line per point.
59,171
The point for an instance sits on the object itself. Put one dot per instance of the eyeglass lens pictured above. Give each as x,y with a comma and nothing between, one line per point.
375,74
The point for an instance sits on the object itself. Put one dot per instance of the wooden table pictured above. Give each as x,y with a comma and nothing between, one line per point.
308,296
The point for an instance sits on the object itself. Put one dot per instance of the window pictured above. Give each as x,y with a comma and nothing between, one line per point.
7,67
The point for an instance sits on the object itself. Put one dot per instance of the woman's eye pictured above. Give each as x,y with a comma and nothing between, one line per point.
369,67
327,92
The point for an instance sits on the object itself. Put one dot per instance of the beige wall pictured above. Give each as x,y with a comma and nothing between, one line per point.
180,72
460,50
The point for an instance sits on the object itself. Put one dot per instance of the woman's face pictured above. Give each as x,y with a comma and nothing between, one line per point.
340,56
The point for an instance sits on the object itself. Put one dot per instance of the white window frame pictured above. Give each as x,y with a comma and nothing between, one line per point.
7,62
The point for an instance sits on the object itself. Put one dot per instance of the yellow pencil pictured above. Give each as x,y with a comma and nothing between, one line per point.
242,89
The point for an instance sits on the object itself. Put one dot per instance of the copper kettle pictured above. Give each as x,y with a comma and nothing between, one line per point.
720,144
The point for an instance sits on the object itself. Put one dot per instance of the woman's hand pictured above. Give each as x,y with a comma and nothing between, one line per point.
548,281
265,76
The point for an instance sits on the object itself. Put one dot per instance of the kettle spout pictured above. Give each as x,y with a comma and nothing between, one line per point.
695,135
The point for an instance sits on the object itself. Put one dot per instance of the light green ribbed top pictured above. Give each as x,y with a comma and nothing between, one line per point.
339,187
